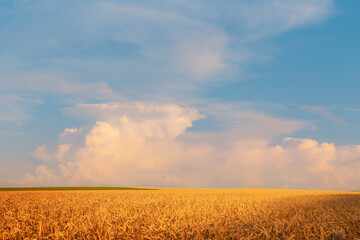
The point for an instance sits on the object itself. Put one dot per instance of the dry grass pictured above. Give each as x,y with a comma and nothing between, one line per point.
180,214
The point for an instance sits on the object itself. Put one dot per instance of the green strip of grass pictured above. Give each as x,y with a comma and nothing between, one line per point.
71,188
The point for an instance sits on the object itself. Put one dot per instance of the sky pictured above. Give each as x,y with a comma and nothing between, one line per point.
200,94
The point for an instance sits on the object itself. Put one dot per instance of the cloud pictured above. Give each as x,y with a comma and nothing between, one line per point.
268,18
17,107
201,39
244,117
146,144
181,44
166,47
324,112
41,153
22,1
53,84
128,139
146,119
202,56
69,131
14,108
352,109
296,163
158,45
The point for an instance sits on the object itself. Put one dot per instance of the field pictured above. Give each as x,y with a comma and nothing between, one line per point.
180,214
71,188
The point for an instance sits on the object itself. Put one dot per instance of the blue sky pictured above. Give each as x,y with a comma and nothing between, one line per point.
250,93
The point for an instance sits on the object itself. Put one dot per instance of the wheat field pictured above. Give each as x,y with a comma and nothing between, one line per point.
180,214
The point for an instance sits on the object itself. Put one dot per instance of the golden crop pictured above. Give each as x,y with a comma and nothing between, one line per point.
180,214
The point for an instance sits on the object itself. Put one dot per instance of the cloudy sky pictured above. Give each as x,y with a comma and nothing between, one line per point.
178,93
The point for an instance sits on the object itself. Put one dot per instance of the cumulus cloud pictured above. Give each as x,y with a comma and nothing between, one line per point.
41,153
146,144
140,47
134,136
69,131
145,119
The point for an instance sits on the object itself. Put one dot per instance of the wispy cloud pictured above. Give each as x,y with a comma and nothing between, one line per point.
268,18
352,109
15,108
180,43
251,120
54,84
21,1
110,50
324,112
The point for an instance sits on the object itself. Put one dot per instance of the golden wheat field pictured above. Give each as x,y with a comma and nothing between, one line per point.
180,214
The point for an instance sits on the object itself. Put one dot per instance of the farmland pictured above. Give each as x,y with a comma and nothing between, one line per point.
180,214
72,188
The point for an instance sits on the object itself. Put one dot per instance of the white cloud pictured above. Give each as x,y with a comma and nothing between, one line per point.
145,144
145,119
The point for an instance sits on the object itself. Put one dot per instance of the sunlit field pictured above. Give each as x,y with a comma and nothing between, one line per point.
180,214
